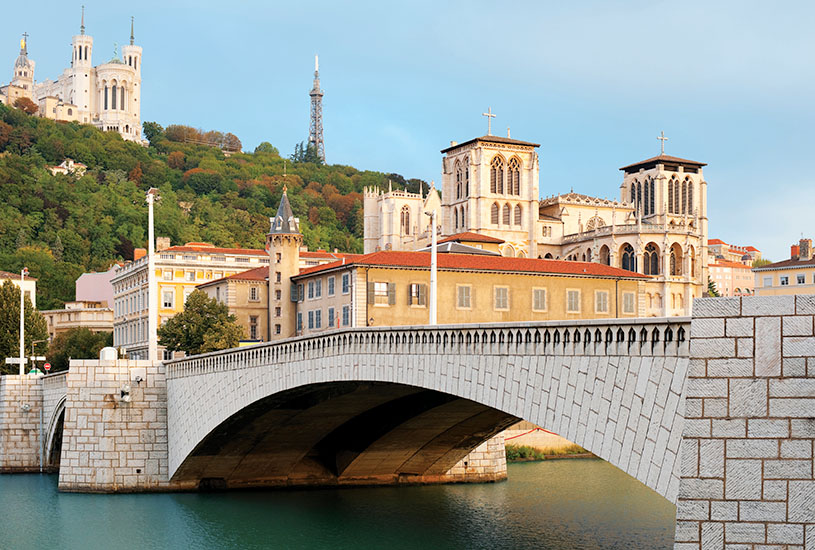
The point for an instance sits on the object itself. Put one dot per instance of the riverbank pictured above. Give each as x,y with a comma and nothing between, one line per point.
527,453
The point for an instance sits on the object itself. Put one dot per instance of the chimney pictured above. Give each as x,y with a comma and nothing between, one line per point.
805,249
162,243
794,252
139,253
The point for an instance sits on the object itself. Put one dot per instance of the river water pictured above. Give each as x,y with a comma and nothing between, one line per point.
557,505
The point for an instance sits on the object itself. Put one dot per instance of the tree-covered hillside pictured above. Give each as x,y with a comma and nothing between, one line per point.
61,225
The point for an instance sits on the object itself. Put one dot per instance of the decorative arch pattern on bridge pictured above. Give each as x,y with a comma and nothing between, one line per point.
401,401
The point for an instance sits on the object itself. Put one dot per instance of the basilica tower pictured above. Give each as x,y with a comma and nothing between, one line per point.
81,72
283,243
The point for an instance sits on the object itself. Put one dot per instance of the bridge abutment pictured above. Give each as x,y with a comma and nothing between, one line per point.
747,450
115,440
21,402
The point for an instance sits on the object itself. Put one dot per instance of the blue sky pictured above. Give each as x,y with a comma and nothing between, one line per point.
730,83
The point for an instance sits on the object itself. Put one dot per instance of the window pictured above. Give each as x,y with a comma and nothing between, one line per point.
382,293
628,302
218,293
299,322
311,319
318,288
650,260
601,301
346,283
572,301
277,329
277,276
404,220
167,275
219,258
242,260
801,279
464,300
167,299
538,299
494,213
331,286
497,175
318,318
346,315
190,257
501,298
253,327
254,294
310,290
278,294
330,317
784,280
507,214
417,294
518,214
189,276
277,311
277,257
514,177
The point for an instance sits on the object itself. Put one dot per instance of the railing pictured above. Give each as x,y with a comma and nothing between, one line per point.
665,336
620,230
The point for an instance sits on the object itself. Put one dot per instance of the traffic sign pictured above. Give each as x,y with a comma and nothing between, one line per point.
47,367
16,360
38,357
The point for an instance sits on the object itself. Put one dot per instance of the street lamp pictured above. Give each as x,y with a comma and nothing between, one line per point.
152,288
23,273
433,266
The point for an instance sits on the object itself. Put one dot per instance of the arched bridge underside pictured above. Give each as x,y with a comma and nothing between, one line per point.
397,405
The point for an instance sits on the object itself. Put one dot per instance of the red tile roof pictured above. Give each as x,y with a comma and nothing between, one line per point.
715,241
471,237
257,274
14,277
726,263
320,254
479,263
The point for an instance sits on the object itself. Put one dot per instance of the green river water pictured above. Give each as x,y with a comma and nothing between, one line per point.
555,505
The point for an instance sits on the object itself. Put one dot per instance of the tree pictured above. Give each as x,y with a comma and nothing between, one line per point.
76,343
35,325
266,147
205,325
712,291
306,153
58,249
175,160
761,262
26,105
154,132
21,239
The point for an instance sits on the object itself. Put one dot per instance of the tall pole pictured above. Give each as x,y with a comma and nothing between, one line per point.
152,288
433,269
23,273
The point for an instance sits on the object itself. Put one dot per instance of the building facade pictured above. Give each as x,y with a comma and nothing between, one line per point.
29,285
179,269
732,278
107,95
246,296
94,316
490,186
795,275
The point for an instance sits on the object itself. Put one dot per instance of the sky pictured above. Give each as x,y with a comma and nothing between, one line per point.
729,82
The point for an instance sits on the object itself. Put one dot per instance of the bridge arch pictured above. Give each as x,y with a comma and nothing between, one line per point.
345,404
53,440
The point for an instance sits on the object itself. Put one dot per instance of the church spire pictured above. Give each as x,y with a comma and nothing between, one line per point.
131,30
24,44
82,25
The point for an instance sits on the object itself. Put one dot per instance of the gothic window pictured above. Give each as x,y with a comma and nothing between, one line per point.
587,255
518,214
461,217
677,205
639,198
650,260
122,104
494,213
113,97
404,220
634,193
514,182
676,259
628,260
653,201
595,222
455,218
604,255
467,180
647,199
684,197
507,214
671,197
458,180
690,197
106,97
673,264
497,175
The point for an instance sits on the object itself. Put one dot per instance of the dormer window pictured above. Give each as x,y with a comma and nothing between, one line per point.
278,223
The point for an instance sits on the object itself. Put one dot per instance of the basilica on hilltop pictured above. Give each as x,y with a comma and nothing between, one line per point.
106,95
490,190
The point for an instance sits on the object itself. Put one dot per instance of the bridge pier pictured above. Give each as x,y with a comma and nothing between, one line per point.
21,402
747,448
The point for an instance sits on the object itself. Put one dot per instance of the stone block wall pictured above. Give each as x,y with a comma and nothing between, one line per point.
487,462
110,445
747,452
21,425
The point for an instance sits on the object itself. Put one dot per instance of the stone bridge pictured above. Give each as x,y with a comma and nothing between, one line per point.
716,413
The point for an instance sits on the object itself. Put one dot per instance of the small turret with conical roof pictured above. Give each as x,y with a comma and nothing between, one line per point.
283,243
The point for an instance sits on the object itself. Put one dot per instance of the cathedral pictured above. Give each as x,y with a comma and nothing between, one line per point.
490,187
107,95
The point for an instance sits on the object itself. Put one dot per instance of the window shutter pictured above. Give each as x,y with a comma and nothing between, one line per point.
391,294
293,292
472,297
422,295
370,293
410,295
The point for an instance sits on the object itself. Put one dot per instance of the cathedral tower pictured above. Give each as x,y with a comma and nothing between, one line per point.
490,187
82,72
23,69
283,243
132,56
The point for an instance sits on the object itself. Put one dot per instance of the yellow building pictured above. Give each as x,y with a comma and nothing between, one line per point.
247,297
793,276
390,288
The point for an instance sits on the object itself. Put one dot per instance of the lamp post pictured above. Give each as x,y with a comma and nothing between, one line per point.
433,267
23,273
152,287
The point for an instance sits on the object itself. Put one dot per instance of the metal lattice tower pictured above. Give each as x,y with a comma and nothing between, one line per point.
315,129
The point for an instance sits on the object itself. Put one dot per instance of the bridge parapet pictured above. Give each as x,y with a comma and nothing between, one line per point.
652,337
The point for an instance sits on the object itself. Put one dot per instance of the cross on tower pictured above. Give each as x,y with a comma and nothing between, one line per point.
489,116
663,139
